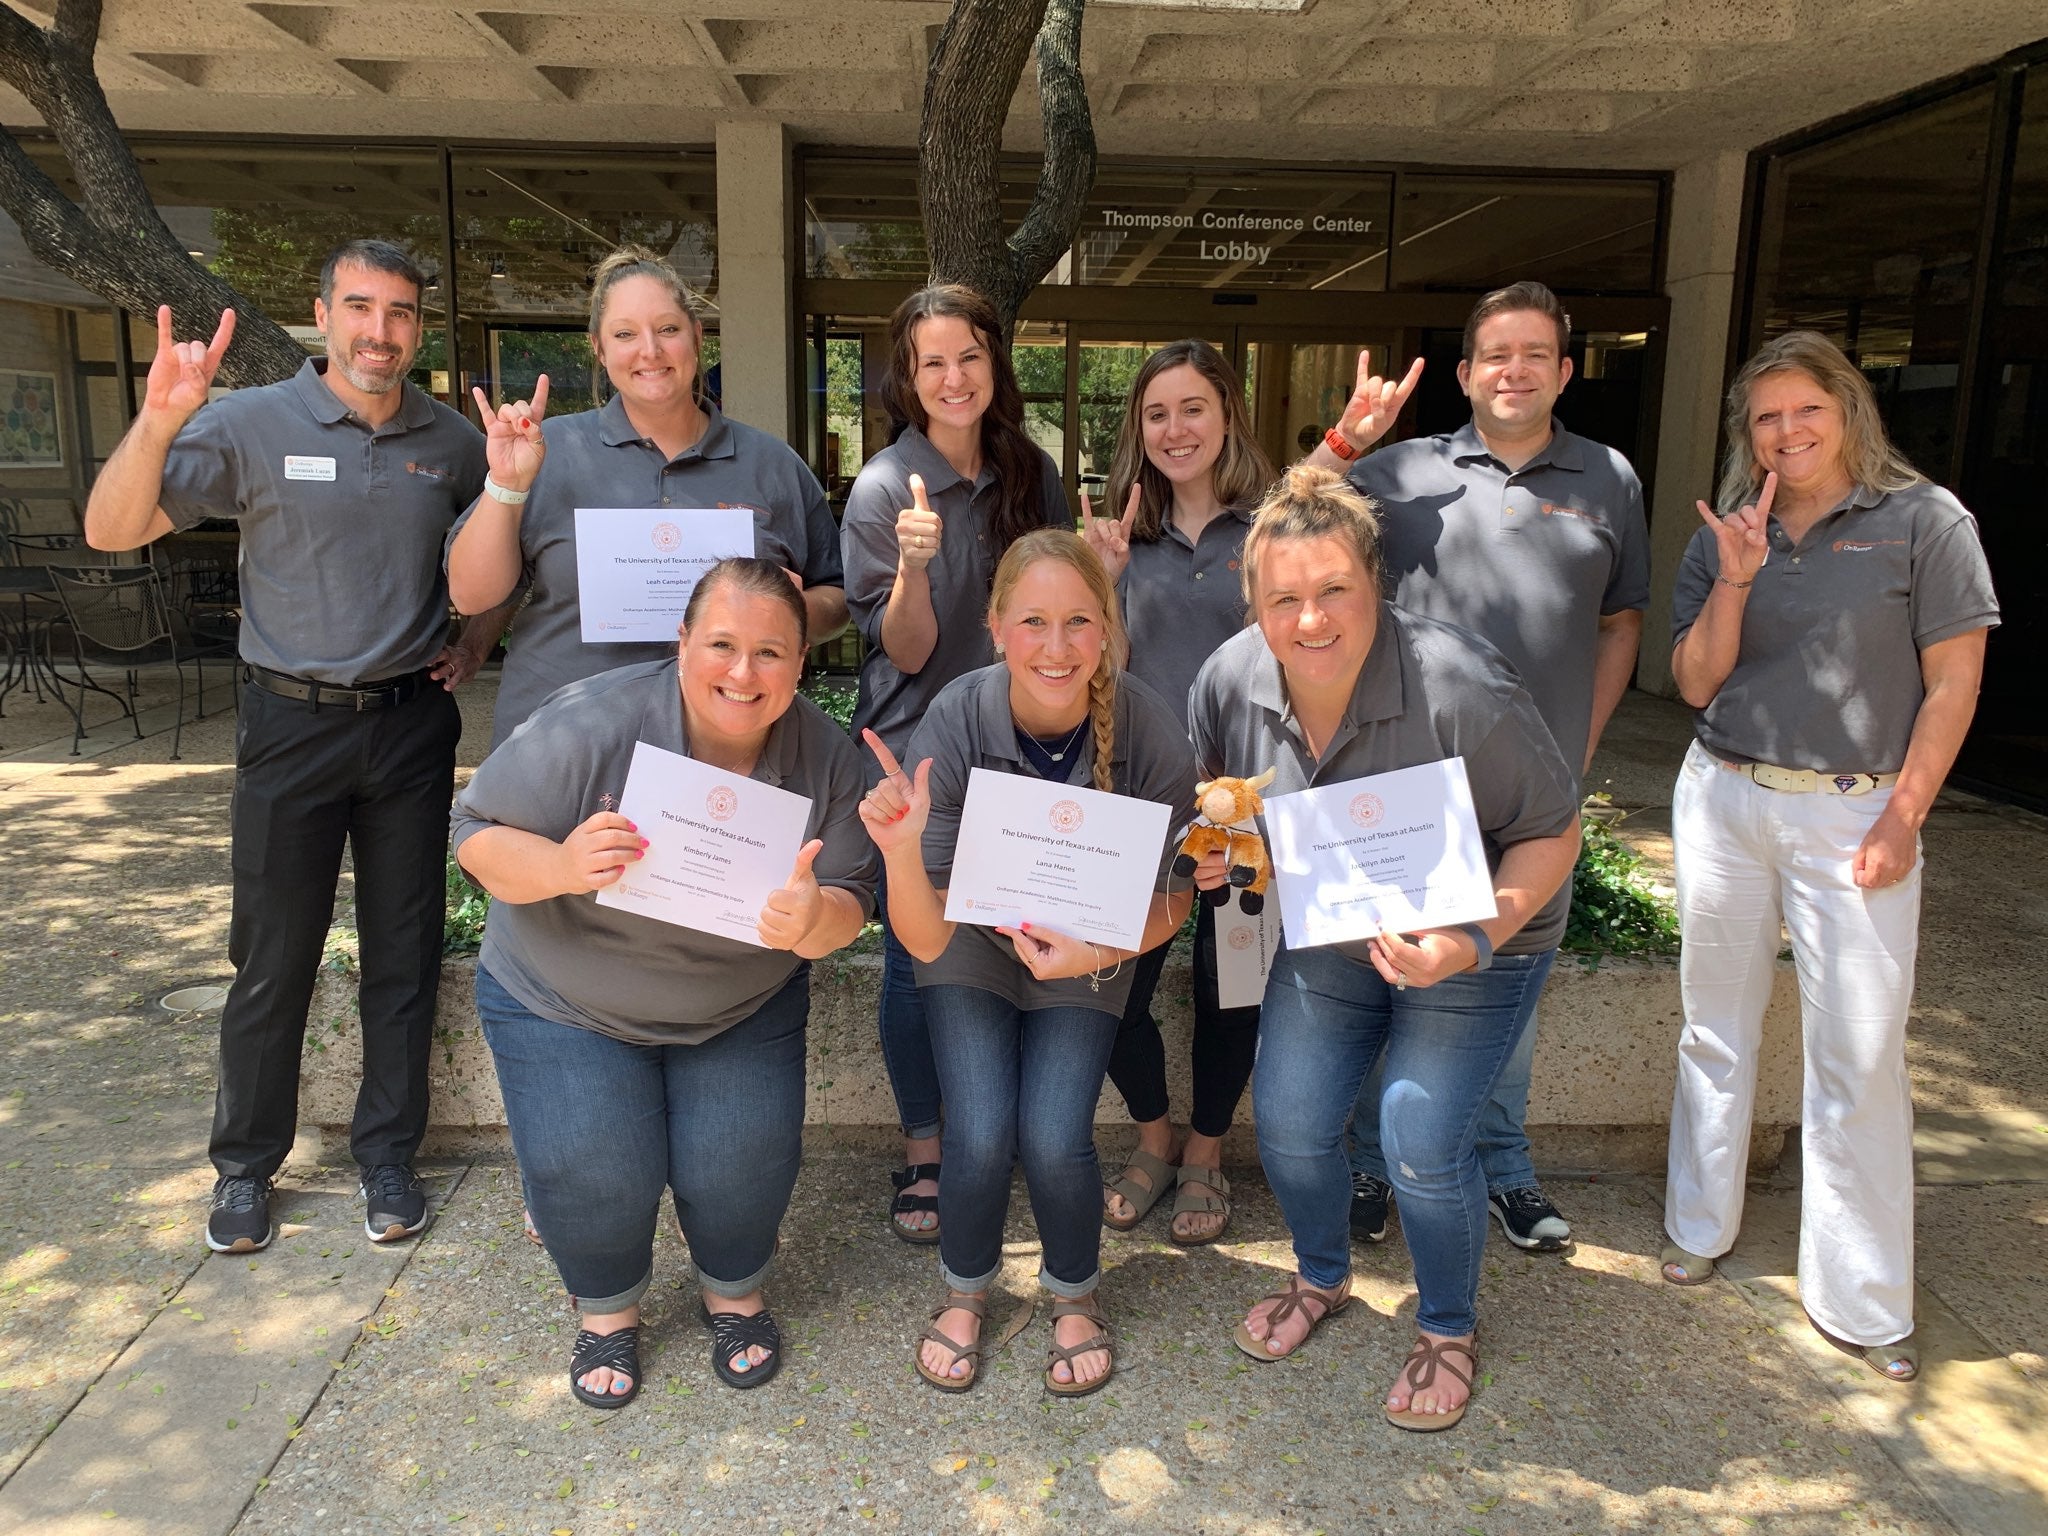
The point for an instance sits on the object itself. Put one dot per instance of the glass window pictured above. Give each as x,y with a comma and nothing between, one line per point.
1870,238
1472,233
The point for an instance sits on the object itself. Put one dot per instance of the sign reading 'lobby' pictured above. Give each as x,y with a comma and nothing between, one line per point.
1218,235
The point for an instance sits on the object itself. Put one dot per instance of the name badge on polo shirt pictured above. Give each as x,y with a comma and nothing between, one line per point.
306,466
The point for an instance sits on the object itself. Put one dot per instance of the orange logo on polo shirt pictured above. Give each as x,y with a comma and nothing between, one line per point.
431,471
1864,546
1552,509
666,537
1066,816
1367,810
741,506
721,803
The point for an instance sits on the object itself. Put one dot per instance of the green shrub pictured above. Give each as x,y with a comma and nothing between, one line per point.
1615,908
468,906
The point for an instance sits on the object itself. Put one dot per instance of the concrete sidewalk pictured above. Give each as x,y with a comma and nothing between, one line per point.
330,1385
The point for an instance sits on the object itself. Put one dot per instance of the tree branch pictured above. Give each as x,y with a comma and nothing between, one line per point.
1054,216
113,242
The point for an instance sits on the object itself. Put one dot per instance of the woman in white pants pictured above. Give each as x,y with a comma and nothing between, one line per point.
1830,623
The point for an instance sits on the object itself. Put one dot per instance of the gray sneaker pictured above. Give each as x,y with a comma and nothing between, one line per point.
398,1202
1529,1221
240,1219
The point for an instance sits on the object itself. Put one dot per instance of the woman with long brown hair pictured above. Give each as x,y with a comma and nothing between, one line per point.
1188,473
926,522
1022,1019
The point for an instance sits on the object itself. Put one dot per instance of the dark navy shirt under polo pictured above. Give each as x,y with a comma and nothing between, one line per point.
1182,600
892,701
598,459
1531,558
341,523
970,726
620,973
1828,674
1427,692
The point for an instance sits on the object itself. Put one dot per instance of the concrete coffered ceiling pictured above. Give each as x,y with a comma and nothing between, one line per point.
1636,83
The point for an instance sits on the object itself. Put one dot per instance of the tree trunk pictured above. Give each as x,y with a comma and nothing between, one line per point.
973,74
113,243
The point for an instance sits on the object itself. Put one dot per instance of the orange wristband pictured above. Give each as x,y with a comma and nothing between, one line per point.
1334,441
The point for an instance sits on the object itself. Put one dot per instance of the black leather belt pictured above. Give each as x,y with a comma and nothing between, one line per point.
395,690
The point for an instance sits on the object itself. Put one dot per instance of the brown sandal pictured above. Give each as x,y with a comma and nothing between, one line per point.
1429,1353
1140,1197
978,1305
1056,1352
1209,1196
1294,1299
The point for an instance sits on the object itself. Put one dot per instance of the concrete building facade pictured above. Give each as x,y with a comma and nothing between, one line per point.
1293,178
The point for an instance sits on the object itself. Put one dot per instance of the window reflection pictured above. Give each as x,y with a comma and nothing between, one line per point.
1579,235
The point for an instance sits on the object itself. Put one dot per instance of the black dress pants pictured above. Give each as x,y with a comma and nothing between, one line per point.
309,779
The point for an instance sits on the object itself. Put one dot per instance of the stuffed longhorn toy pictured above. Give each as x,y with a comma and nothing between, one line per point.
1225,808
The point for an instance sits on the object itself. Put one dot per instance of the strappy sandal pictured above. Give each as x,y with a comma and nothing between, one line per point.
1294,1299
1098,1340
1693,1268
1430,1353
733,1335
978,1306
914,1205
1210,1196
1140,1197
617,1352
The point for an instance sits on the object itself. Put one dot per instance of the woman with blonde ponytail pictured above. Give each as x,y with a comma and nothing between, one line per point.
1022,1020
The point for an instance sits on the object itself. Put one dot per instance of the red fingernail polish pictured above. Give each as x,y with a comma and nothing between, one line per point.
1025,926
524,423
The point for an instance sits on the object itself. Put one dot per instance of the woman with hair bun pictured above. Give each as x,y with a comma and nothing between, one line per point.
1830,622
926,522
1022,1020
658,441
1335,684
1188,473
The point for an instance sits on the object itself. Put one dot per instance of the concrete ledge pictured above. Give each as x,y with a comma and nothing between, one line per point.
1600,1101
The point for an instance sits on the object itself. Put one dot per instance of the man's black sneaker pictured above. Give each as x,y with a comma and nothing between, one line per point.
1369,1201
240,1219
398,1202
1529,1220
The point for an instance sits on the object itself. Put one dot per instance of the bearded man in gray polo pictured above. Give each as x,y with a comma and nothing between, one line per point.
1535,538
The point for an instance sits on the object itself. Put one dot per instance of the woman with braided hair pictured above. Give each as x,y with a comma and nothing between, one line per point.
1022,1020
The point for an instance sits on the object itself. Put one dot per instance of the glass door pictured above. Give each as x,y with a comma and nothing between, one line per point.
1299,381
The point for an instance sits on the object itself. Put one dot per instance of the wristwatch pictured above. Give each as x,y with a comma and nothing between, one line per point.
1337,443
1480,942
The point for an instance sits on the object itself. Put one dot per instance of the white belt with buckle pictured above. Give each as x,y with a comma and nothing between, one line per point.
1802,781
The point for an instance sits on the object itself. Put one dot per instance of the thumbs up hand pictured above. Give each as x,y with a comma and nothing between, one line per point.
918,529
792,912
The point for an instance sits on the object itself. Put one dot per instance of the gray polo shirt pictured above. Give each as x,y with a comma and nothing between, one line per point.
597,459
1531,559
1182,601
619,973
970,726
890,701
341,523
1828,674
1428,691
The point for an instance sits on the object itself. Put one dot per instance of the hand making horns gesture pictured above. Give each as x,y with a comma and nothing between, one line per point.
1742,538
896,809
1110,537
792,911
513,445
182,372
918,529
1375,403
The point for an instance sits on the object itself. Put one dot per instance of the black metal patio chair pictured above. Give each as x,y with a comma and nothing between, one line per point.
119,615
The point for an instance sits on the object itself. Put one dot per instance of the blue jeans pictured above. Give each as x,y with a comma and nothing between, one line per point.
1019,1087
602,1128
1503,1130
1326,1019
906,1037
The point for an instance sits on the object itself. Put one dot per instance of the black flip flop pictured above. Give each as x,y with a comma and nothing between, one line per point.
913,1205
732,1335
619,1352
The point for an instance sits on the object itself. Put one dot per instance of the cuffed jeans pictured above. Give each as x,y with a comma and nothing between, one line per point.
1326,1019
1503,1124
1745,855
1225,1042
1019,1087
906,1034
602,1127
